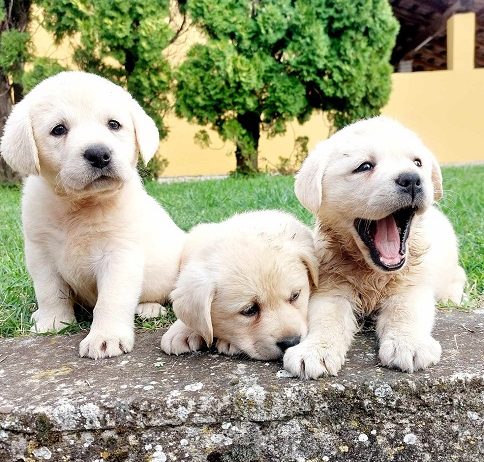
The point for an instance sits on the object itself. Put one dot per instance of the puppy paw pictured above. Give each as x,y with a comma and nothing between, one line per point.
409,354
104,344
180,339
150,310
310,360
51,322
226,348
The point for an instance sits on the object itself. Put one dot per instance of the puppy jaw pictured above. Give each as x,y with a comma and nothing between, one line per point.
369,208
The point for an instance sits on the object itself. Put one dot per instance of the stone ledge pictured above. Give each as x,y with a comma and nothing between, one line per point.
146,406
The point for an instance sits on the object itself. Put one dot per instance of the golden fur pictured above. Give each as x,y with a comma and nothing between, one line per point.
262,258
341,264
357,175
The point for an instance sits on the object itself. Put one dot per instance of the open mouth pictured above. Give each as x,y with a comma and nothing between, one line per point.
386,239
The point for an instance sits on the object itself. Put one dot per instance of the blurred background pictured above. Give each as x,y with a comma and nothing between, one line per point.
252,85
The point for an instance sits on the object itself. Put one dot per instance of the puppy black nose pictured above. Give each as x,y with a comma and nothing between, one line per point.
288,342
410,183
98,155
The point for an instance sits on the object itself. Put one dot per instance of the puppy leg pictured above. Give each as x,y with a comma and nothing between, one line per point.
55,306
404,328
119,282
148,310
453,290
180,338
332,325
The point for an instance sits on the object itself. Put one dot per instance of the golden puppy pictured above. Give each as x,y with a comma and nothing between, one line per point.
92,233
246,282
383,247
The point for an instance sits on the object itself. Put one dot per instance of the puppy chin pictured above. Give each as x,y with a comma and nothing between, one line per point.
104,184
89,183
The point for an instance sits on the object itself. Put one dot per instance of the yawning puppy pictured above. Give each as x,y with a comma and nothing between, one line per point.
383,247
92,234
245,282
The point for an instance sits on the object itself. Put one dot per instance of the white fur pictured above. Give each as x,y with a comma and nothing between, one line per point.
101,242
260,256
350,282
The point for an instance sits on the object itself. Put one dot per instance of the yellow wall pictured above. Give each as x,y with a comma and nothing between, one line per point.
187,158
445,107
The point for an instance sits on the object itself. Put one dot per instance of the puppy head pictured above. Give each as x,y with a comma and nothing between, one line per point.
248,291
367,182
80,132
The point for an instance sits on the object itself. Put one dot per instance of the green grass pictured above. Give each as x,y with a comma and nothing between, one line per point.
214,200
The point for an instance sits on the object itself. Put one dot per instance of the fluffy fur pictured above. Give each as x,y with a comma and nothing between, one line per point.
92,234
355,277
245,282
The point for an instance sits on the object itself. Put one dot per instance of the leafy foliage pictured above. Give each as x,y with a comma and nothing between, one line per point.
270,61
124,42
15,44
291,164
15,49
152,170
42,69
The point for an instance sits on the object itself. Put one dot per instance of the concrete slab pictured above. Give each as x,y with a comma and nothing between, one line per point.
146,406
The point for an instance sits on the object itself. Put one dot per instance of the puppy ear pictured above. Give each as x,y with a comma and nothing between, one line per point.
307,254
310,260
308,186
437,180
192,300
18,146
147,136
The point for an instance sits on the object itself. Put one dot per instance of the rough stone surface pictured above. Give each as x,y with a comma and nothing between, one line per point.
146,406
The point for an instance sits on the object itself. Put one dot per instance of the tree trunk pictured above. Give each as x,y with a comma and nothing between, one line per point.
247,149
16,14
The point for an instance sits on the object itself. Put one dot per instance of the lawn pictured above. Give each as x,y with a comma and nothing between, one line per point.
213,200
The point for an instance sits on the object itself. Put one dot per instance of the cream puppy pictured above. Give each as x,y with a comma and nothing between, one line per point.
383,247
92,233
246,282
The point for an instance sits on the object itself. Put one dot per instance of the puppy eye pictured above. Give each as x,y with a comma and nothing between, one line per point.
114,125
417,162
58,130
364,167
251,310
294,295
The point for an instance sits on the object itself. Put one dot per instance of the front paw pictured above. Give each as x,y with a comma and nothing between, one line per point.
226,348
150,310
408,353
180,339
310,360
51,322
105,344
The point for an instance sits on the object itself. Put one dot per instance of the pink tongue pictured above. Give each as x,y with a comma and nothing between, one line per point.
387,240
